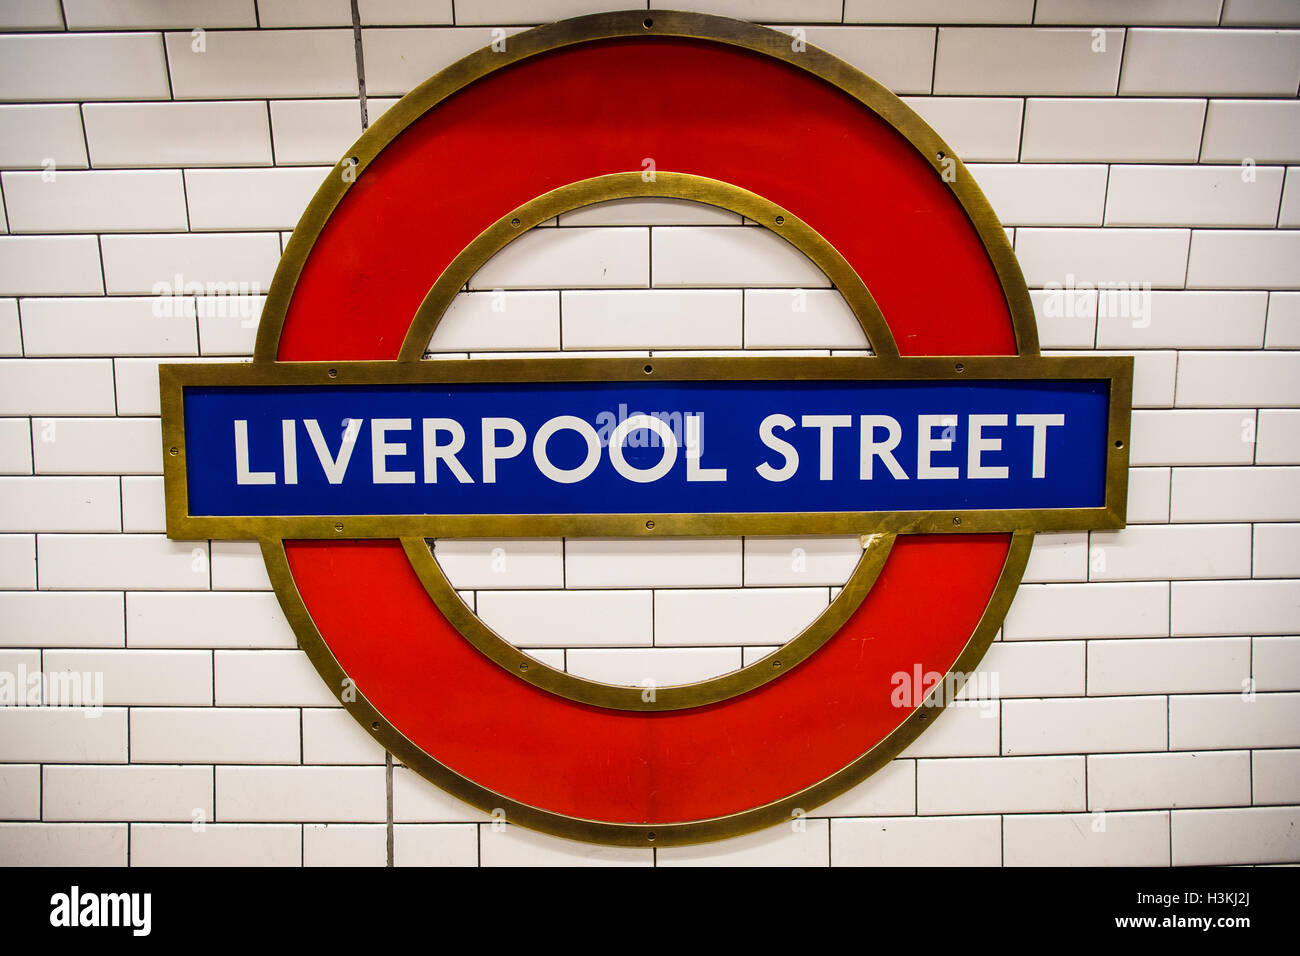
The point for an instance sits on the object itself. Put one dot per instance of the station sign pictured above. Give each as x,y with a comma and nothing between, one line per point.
944,446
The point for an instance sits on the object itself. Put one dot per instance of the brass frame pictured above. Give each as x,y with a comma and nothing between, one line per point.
537,41
1115,370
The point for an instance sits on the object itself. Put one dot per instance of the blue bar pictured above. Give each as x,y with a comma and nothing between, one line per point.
730,416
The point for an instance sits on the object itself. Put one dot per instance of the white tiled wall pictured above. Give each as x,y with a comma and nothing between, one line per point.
1150,678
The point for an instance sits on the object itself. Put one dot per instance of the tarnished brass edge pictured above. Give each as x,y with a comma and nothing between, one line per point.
176,491
519,663
1117,441
691,525
669,185
629,834
173,379
630,23
663,367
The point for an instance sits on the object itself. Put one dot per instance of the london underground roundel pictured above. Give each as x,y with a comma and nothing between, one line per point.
343,451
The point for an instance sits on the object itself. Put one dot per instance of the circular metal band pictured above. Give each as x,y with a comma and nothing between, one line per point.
665,185
414,105
511,226
632,23
784,810
668,697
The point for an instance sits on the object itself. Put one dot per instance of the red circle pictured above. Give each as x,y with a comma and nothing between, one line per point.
602,107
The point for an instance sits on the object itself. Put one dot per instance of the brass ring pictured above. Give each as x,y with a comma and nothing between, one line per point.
670,696
666,185
406,111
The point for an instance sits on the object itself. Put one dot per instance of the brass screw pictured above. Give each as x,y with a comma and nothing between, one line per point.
956,520
173,450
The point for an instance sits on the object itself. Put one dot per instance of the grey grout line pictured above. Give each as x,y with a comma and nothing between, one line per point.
270,140
934,60
1123,59
1018,25
388,804
361,65
1205,128
167,65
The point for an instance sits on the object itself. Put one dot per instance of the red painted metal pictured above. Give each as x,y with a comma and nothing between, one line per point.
696,107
